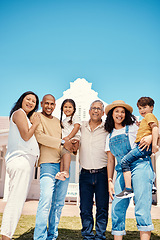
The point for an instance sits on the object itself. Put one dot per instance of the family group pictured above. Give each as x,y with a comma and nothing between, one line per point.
121,143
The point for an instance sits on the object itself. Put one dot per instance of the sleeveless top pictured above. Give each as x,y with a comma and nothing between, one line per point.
17,146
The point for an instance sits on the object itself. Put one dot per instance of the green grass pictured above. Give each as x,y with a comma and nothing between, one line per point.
70,229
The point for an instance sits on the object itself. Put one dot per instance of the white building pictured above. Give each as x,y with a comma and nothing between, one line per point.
80,91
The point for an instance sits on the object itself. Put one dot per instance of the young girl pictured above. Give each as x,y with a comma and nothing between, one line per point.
70,130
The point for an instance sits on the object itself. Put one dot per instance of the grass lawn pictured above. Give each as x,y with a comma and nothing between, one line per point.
70,229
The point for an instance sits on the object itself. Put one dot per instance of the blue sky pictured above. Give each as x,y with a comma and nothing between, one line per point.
45,45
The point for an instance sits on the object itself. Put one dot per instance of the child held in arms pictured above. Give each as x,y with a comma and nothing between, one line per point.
148,126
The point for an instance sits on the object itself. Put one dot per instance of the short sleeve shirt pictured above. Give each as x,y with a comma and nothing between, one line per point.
69,127
144,128
92,147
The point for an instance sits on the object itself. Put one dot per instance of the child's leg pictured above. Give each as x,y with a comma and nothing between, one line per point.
130,157
64,167
66,164
127,179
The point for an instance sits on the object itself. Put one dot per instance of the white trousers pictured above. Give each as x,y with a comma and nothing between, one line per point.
20,172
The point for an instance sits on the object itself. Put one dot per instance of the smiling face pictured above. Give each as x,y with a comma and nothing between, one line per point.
118,116
143,110
68,109
29,103
96,112
48,105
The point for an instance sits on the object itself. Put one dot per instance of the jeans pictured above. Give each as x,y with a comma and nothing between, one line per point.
134,155
51,202
91,183
142,180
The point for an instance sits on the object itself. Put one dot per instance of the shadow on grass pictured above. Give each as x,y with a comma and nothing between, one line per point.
68,234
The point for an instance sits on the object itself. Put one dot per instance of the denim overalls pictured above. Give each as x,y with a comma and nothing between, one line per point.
142,179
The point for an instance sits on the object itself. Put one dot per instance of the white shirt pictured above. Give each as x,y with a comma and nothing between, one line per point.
132,135
69,127
92,147
17,146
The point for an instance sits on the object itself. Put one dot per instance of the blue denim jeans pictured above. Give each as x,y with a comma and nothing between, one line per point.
90,184
134,155
51,202
142,180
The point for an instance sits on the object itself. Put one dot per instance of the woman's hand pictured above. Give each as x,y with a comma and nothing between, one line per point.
138,123
19,118
111,189
36,119
145,142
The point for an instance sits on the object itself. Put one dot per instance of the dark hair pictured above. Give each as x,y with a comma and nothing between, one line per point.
74,107
144,101
109,123
18,104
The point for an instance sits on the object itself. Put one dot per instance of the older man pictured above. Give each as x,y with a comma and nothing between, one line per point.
93,176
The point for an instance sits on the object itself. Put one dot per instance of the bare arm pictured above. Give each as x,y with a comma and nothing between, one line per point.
19,118
155,133
110,169
73,132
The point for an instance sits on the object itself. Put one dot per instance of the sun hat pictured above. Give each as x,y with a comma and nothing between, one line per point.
118,103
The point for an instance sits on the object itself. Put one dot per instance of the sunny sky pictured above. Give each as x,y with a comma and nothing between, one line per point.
46,44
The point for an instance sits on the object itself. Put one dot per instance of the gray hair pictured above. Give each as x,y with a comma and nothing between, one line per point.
97,101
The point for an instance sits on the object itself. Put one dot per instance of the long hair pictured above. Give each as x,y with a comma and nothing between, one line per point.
74,107
109,123
18,104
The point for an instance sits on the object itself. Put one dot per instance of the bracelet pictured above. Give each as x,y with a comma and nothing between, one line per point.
110,180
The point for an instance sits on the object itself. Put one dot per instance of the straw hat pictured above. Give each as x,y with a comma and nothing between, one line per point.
118,103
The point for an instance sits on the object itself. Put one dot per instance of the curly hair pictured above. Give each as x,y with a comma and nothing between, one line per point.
109,123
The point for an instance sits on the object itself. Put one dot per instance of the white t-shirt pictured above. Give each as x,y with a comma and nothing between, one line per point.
132,135
69,127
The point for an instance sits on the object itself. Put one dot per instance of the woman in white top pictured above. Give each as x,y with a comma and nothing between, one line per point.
22,153
120,123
